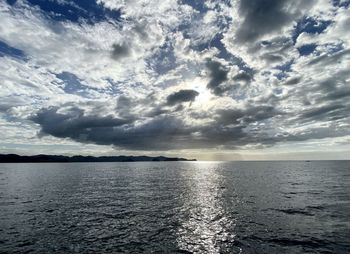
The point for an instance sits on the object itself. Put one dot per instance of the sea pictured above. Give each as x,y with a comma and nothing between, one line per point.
175,207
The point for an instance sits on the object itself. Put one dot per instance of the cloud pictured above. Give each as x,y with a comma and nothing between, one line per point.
243,76
8,103
293,81
120,51
75,124
263,17
329,112
218,75
244,117
181,96
255,73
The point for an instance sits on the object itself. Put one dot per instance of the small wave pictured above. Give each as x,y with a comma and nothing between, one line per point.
27,202
307,211
310,242
296,184
25,244
183,251
316,207
292,193
294,211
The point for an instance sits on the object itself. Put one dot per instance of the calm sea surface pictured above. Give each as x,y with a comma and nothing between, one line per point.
175,207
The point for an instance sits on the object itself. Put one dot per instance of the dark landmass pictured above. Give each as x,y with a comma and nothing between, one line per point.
13,158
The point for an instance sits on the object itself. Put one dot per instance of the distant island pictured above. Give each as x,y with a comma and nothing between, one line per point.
14,158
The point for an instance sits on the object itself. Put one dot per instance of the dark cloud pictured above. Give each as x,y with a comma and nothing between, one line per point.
165,130
328,112
218,75
277,44
141,30
265,16
156,134
338,94
123,102
73,123
124,107
243,76
321,132
292,81
272,58
120,51
246,116
159,133
181,96
329,91
157,112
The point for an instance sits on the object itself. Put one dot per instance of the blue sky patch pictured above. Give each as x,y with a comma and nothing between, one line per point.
7,50
76,11
11,2
165,60
340,3
284,69
72,84
307,49
311,26
196,4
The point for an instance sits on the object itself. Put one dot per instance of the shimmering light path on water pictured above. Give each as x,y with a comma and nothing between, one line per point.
175,207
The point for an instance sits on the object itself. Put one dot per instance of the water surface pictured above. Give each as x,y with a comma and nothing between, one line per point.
175,207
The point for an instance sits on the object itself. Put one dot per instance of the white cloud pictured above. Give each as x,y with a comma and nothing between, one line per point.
153,51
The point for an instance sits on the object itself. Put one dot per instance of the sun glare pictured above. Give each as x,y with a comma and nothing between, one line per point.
200,86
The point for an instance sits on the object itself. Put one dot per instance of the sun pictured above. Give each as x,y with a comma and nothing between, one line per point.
200,86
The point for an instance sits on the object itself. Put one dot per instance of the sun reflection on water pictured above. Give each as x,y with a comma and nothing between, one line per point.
206,228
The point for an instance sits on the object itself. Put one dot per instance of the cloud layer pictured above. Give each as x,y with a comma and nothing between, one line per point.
175,75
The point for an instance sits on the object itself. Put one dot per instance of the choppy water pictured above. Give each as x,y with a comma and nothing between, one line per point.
175,207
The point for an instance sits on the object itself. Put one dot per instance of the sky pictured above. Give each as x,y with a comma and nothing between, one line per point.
211,80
